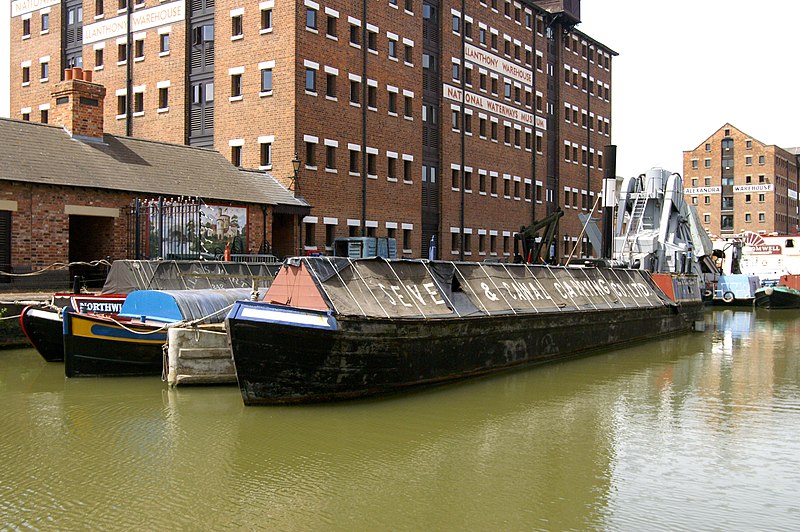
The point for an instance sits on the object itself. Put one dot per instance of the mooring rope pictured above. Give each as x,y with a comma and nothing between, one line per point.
189,323
58,266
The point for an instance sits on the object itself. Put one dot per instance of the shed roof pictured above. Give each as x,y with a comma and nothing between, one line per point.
46,154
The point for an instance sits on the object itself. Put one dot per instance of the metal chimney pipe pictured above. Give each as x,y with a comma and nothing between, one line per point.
609,192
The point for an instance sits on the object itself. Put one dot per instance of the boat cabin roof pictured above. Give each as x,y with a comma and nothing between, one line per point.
169,306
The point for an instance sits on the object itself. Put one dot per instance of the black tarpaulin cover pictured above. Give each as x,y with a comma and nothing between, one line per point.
420,288
127,276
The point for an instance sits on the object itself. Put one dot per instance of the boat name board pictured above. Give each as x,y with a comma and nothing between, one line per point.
766,249
99,306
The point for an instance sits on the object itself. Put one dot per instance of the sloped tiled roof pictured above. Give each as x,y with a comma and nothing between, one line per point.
726,125
39,153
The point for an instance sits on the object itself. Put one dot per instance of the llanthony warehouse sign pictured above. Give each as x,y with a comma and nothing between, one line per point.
498,64
140,21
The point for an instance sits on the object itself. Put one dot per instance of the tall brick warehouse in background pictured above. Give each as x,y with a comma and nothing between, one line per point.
411,118
738,183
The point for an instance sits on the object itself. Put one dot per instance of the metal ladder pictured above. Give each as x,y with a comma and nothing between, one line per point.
636,220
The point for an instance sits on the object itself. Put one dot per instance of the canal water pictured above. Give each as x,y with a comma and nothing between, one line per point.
698,431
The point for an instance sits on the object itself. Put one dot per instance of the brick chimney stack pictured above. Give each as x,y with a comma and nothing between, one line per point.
78,104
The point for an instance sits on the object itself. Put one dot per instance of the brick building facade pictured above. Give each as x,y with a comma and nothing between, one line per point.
738,183
411,118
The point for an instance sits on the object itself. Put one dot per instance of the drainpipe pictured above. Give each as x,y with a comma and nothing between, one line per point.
129,74
364,155
533,110
463,125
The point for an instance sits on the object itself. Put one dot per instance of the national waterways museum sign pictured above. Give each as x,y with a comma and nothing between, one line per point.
22,7
492,106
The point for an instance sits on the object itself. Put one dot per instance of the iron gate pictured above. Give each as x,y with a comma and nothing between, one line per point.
166,228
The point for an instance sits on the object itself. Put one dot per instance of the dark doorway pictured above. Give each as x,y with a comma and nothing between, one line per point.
91,238
284,235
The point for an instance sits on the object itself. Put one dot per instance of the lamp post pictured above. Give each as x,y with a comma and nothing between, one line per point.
295,181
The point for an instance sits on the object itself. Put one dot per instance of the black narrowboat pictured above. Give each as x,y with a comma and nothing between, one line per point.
335,328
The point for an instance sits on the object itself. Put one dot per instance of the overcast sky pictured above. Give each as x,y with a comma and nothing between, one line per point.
685,68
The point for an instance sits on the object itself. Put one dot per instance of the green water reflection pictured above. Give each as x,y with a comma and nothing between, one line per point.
697,431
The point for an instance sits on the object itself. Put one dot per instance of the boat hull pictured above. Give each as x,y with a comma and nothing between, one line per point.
777,297
314,357
42,326
97,346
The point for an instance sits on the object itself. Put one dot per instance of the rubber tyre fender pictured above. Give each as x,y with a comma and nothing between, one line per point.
728,297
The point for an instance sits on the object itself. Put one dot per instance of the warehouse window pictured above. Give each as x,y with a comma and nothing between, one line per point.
237,29
311,18
138,50
266,20
163,43
311,80
138,102
266,80
122,104
311,155
266,154
236,85
163,98
330,157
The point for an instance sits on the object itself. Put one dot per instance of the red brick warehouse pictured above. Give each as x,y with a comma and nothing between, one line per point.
738,183
411,118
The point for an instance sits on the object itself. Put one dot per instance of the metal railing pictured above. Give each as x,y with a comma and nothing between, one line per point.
164,228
